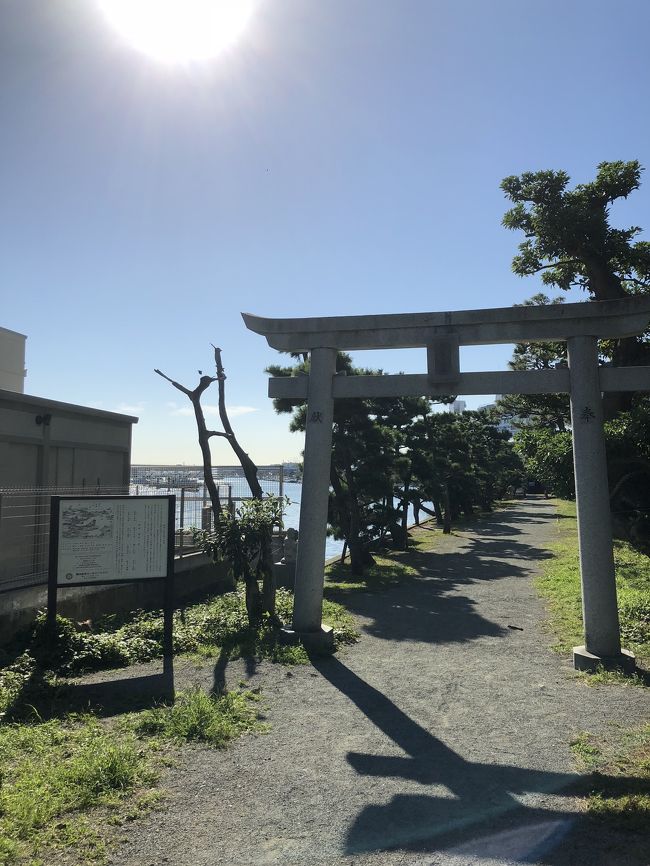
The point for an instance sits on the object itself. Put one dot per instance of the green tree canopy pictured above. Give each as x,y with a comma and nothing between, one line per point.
389,453
568,233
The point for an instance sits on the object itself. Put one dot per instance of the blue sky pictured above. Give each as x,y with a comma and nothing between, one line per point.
343,158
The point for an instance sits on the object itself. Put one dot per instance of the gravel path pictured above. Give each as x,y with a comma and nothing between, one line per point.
441,738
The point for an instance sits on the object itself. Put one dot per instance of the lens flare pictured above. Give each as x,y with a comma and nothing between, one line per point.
179,31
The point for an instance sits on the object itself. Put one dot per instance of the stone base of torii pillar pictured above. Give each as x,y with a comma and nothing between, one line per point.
318,642
583,660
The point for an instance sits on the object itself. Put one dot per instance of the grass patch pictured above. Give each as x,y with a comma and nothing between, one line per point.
52,774
620,780
585,751
198,717
390,568
560,585
602,677
620,764
65,781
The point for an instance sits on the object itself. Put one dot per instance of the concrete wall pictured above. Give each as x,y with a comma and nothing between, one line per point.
12,360
195,577
48,444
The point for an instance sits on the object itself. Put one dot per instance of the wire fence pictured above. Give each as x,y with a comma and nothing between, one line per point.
25,512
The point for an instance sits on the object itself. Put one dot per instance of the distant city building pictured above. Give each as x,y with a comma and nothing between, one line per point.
12,361
509,424
458,406
491,405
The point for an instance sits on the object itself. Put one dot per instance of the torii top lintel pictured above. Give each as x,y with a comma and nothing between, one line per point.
618,318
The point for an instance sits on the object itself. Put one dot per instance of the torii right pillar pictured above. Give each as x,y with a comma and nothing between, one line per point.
602,645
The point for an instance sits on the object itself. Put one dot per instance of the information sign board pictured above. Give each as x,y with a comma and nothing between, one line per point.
99,540
107,539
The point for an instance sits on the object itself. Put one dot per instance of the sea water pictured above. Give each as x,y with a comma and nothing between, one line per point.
292,489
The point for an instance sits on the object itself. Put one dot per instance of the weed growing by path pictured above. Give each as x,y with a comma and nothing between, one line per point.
602,677
620,767
560,585
585,751
196,716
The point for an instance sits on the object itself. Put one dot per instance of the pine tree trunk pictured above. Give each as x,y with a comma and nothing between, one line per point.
404,541
254,602
446,526
360,556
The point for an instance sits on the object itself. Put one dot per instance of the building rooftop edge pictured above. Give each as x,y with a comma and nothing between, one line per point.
11,331
45,402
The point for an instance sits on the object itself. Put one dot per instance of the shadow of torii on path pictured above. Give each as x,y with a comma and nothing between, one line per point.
474,812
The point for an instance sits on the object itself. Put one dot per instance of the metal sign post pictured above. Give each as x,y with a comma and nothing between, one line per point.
104,540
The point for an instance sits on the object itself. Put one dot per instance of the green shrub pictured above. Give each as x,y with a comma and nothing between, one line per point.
121,640
13,680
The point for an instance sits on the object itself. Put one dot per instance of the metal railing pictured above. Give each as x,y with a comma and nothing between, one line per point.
25,512
190,478
25,531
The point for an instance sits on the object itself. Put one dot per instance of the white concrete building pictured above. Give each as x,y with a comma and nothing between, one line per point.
12,361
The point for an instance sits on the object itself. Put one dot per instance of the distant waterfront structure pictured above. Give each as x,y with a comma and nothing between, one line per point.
509,424
12,361
292,471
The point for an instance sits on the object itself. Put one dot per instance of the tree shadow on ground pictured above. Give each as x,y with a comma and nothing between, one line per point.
415,613
474,811
219,684
504,548
421,606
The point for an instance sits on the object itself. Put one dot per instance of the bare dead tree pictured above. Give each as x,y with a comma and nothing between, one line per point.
204,435
250,469
265,563
264,568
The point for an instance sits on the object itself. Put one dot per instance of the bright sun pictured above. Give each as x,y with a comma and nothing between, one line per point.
178,31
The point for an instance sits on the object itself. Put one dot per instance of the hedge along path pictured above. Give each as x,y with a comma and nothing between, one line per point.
442,737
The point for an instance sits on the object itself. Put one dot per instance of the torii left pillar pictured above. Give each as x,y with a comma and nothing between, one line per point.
308,593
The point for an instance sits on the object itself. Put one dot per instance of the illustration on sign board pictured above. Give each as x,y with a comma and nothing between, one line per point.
91,520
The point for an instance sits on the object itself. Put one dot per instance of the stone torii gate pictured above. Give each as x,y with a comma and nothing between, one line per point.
580,325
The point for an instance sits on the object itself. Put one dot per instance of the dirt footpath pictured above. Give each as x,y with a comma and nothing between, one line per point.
441,738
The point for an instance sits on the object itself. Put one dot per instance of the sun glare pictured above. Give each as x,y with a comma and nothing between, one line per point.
179,31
